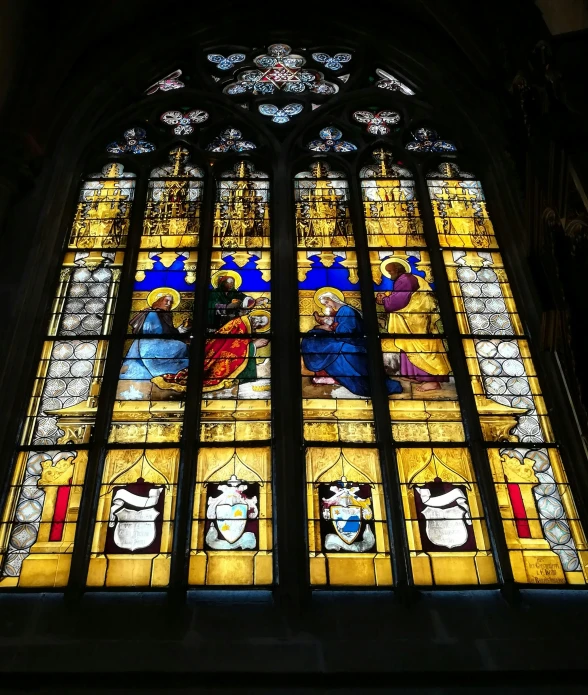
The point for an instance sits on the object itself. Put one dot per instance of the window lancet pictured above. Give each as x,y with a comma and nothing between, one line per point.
133,531
231,536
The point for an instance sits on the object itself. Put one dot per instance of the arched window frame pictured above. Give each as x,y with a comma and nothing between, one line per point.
275,152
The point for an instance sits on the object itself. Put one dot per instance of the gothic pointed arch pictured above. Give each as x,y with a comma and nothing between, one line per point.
285,300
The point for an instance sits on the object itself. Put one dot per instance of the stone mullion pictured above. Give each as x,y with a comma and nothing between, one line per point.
290,521
192,411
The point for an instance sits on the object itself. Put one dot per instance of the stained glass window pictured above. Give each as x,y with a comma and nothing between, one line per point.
335,380
278,70
154,449
135,519
347,534
231,541
391,209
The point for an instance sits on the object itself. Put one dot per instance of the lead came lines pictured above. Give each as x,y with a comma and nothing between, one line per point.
506,382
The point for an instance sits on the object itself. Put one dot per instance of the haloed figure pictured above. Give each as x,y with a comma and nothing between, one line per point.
148,356
336,347
226,302
412,309
157,319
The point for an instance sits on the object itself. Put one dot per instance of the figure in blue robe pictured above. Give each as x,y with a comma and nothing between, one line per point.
339,348
150,357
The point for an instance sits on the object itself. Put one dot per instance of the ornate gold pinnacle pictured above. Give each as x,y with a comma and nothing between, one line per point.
111,171
178,156
381,156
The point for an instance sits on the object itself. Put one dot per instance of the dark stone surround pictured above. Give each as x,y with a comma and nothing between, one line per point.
522,107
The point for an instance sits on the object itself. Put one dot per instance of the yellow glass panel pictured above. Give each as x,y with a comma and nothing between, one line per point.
336,430
174,199
481,293
507,391
347,532
426,421
390,204
392,213
103,211
322,208
134,522
39,518
332,412
62,409
231,539
445,526
460,211
241,215
543,533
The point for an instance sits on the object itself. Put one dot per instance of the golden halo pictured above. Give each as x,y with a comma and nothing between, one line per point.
154,295
394,259
215,279
261,312
324,290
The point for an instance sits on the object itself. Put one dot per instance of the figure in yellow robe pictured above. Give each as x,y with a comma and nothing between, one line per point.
412,310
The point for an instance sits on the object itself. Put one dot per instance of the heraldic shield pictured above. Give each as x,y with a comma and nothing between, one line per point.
349,511
444,517
135,530
347,521
134,523
233,515
231,520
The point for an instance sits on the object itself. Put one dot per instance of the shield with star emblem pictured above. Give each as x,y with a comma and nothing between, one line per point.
231,520
347,522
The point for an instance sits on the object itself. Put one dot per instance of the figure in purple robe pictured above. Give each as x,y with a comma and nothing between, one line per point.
412,317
